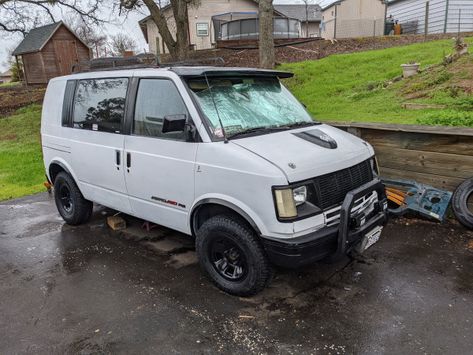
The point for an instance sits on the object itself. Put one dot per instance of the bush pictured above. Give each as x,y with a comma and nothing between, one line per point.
448,118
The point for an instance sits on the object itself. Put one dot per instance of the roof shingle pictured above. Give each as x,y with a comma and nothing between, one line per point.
36,39
298,11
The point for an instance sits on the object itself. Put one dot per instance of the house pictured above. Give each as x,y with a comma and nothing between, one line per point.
309,17
443,16
353,18
50,51
214,20
5,77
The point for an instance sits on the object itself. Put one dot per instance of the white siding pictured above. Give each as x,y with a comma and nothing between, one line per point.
414,11
354,18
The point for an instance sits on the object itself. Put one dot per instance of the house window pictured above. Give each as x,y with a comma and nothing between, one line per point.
202,29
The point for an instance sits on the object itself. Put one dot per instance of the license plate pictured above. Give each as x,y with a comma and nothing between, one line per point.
370,238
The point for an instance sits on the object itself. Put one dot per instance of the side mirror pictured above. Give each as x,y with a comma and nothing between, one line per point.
174,123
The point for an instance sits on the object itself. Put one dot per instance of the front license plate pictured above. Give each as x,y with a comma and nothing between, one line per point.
370,238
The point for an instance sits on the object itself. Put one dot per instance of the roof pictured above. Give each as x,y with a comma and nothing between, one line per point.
218,71
338,2
6,73
298,11
37,38
390,2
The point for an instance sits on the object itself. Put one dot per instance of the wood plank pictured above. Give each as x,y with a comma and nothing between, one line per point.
442,182
453,144
452,165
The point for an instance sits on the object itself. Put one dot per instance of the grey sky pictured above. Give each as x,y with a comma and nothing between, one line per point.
128,25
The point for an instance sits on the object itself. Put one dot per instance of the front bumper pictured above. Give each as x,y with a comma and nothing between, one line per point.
331,241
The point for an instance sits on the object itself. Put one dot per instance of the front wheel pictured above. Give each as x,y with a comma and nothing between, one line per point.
70,203
231,255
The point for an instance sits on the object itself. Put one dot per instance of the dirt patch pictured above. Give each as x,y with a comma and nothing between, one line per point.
8,137
13,98
315,49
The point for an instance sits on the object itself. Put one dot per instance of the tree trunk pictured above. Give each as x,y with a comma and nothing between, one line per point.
266,41
178,47
179,8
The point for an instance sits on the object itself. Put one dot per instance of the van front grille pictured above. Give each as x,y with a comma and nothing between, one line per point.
332,188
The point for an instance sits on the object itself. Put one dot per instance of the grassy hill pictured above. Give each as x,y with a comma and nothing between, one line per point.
362,86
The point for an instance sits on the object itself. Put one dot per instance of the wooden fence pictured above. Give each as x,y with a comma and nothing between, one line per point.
438,156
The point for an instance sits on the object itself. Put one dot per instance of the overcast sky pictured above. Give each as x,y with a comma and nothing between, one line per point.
128,25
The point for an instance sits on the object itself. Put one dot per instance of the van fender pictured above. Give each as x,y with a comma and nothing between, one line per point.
239,207
63,164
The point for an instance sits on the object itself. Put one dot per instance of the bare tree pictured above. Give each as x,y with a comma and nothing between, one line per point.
19,16
266,40
121,43
91,35
177,43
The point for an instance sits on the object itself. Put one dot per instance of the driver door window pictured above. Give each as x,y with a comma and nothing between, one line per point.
156,99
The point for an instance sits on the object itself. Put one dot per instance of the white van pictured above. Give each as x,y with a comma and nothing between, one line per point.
226,155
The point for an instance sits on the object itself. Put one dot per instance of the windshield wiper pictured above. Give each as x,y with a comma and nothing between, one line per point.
300,124
256,130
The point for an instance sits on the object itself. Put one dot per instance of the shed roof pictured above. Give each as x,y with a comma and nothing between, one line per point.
298,11
37,38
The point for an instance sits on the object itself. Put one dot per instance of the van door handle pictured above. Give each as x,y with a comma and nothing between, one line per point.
117,158
128,161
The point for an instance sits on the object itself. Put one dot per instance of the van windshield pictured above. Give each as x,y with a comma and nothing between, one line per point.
248,104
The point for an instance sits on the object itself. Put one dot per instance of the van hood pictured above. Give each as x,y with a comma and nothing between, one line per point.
308,152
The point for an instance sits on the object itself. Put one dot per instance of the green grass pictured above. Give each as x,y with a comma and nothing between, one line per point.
357,87
10,84
21,165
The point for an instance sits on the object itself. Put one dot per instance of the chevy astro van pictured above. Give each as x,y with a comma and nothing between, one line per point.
225,155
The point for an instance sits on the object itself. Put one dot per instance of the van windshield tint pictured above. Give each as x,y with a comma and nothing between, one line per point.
247,103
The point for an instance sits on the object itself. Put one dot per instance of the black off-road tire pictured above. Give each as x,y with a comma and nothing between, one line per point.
258,272
460,203
77,210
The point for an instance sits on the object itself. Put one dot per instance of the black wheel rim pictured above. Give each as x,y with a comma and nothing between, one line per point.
65,198
228,259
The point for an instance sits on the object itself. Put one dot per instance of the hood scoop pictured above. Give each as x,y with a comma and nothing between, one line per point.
316,136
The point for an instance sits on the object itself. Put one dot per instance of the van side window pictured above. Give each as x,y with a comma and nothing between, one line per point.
156,99
99,104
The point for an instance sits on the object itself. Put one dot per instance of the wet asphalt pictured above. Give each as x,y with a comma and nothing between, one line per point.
91,290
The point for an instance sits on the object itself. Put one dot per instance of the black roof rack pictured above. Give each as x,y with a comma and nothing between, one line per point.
146,60
212,61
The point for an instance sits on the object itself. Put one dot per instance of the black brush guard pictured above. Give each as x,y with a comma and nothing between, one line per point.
333,241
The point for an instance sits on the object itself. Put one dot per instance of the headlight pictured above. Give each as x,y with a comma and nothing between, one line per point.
300,195
295,202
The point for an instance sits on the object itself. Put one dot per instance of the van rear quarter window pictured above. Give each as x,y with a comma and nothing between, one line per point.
99,104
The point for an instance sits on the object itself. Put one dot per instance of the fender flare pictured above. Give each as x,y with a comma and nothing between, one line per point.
233,207
63,165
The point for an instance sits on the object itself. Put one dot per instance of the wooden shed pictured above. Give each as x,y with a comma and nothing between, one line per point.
50,51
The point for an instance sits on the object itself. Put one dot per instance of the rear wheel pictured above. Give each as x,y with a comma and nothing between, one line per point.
70,203
231,255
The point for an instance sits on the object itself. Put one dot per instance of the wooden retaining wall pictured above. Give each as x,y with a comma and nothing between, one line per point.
438,156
